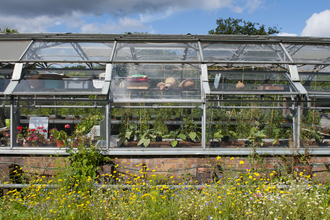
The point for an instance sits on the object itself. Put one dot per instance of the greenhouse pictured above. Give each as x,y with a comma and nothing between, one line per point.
143,94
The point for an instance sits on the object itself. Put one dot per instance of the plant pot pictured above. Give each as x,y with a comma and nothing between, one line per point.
248,144
27,144
40,144
214,144
59,143
188,139
225,139
159,139
20,142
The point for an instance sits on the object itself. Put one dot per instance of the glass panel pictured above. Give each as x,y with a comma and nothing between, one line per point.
12,50
5,76
243,52
73,51
315,82
257,125
4,126
249,81
308,53
155,81
60,81
84,120
157,51
156,127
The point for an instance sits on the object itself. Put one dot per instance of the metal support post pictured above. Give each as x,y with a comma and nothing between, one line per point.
107,124
294,126
204,126
12,123
298,124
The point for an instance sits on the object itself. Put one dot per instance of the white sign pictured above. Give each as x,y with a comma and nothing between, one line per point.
39,123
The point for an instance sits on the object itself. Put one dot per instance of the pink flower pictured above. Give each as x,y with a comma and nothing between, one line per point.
33,135
29,138
67,126
35,138
7,135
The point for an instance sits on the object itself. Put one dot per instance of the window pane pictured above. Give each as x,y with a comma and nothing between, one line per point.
157,51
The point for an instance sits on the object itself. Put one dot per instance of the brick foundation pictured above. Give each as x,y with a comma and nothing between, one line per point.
200,168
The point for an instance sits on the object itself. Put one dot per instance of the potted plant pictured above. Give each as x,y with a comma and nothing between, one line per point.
21,134
190,131
126,133
147,136
35,137
216,133
61,136
256,135
174,135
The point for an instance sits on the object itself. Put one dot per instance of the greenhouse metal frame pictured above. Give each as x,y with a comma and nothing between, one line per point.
45,69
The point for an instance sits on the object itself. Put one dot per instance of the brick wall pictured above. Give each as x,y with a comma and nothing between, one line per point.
197,166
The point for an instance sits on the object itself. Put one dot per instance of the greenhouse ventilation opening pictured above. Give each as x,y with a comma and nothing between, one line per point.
167,94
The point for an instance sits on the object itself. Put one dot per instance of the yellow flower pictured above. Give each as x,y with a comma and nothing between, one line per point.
241,162
232,158
218,157
256,174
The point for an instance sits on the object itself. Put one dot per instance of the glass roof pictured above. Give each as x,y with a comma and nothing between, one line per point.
316,83
69,51
157,51
5,76
12,50
155,81
309,53
245,82
60,82
243,52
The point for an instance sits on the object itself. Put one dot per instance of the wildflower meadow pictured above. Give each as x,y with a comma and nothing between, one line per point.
78,190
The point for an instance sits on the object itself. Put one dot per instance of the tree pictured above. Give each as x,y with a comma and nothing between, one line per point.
8,30
240,27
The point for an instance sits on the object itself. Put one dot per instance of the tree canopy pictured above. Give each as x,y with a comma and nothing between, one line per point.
240,27
8,30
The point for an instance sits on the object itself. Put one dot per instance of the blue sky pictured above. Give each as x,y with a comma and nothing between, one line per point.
301,18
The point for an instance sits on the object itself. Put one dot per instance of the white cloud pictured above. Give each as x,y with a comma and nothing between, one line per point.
123,25
250,5
145,18
318,25
286,34
40,15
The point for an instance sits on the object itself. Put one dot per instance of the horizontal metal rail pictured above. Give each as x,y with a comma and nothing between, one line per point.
170,151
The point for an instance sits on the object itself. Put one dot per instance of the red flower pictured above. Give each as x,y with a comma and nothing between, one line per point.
44,130
39,128
19,128
67,126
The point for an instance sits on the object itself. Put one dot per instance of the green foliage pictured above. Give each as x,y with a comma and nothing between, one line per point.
149,135
86,125
256,135
85,163
190,129
126,132
241,27
311,122
8,30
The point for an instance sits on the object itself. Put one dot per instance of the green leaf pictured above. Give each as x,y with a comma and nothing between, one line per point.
192,135
174,143
182,136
